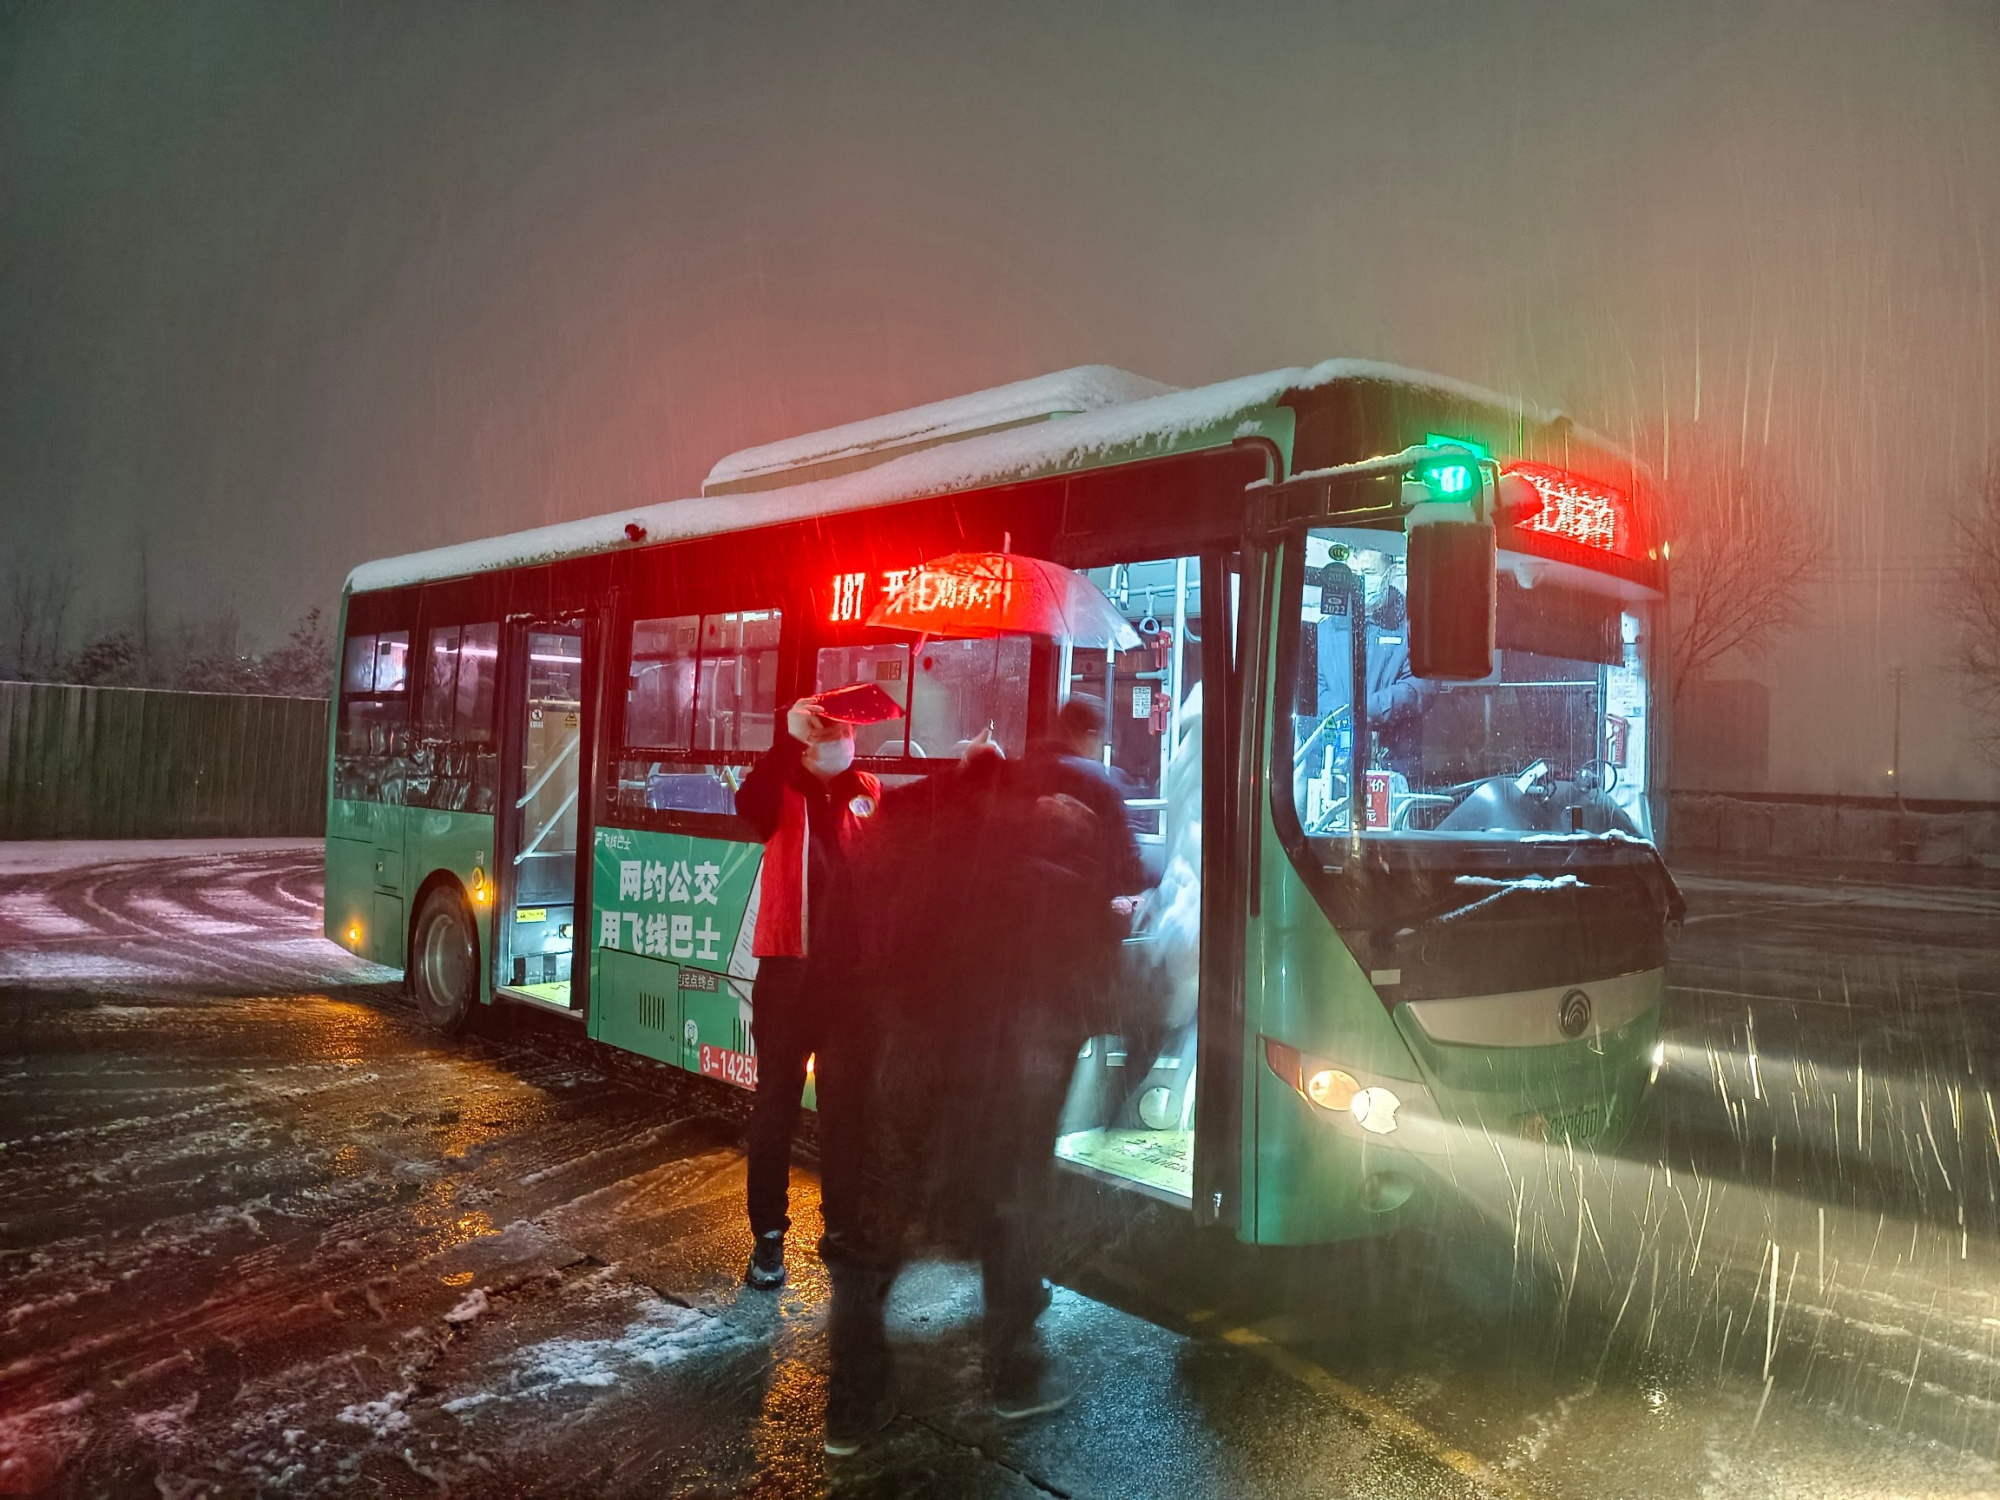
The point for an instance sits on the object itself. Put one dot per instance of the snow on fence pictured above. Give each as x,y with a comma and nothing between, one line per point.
111,763
1777,825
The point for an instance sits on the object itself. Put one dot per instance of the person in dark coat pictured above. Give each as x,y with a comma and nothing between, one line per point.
1050,985
994,882
1067,763
805,801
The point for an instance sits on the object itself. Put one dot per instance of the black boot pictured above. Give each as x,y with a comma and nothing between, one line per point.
767,1262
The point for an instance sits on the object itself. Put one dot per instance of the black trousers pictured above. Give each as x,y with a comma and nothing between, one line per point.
788,1024
990,1142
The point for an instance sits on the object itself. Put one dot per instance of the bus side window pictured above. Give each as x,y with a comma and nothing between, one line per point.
887,665
951,691
440,683
454,765
371,755
736,689
659,703
700,705
478,660
960,687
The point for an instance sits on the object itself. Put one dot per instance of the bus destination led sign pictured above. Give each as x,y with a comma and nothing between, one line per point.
1585,512
851,596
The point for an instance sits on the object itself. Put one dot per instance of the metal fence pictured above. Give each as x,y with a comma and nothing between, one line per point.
124,763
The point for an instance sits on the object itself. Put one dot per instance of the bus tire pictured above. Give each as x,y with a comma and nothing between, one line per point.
444,960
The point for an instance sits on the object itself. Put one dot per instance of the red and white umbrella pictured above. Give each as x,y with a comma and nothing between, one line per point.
1005,593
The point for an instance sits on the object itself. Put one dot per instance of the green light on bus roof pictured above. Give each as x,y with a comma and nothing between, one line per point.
1449,479
1441,439
1447,476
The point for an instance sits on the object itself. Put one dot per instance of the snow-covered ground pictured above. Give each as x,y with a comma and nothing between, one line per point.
262,1233
46,857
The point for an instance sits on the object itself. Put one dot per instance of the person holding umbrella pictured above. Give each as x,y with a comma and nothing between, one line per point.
805,800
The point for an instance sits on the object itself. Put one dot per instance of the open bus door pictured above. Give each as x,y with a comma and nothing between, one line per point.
542,806
1155,1107
1228,790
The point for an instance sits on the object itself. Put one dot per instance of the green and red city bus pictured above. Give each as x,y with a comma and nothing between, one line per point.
1393,915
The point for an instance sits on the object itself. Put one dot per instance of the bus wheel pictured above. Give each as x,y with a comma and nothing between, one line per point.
444,972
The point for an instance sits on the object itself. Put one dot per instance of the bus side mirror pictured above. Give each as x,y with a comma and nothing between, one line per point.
1451,592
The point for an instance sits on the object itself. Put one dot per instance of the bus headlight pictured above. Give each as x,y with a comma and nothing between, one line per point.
1375,1109
1330,1088
1334,1089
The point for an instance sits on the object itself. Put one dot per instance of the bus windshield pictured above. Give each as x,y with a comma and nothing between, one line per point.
1555,741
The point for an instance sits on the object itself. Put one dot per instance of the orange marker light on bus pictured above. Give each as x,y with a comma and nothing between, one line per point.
354,934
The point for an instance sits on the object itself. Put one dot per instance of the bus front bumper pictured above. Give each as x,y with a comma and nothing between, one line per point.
1332,1165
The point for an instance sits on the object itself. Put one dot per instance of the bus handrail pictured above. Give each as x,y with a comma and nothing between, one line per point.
1299,755
569,746
543,832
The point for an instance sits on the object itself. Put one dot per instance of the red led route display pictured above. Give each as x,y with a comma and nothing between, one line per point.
852,597
972,593
1583,510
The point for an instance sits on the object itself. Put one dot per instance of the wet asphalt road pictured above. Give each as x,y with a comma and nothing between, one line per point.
261,1233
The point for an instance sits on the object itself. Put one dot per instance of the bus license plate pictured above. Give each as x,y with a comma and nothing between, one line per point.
738,1068
1569,1125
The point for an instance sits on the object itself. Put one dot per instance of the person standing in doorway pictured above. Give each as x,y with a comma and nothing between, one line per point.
996,881
805,800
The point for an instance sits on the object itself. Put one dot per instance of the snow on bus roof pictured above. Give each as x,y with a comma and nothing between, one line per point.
1113,433
1065,393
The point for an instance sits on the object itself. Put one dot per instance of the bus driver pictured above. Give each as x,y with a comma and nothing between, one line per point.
1395,696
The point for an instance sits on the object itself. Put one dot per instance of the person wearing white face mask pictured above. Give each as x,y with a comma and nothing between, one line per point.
805,801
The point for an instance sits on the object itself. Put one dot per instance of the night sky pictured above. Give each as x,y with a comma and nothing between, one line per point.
288,286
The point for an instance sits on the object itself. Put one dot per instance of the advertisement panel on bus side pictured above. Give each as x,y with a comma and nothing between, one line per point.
672,916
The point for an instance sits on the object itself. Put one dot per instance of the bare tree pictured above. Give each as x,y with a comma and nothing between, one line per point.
303,666
39,593
210,657
1743,547
1971,602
